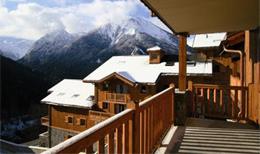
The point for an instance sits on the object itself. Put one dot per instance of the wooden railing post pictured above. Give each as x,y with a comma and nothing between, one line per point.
172,103
135,133
190,101
190,84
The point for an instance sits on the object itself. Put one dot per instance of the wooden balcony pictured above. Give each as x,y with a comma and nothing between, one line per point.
137,129
115,97
45,121
219,101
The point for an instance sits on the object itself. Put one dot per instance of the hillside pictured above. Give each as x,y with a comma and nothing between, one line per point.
21,89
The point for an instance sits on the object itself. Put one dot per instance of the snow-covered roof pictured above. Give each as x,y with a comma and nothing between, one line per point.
137,69
70,92
155,48
208,40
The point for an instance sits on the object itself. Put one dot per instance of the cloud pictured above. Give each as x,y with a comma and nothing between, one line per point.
33,20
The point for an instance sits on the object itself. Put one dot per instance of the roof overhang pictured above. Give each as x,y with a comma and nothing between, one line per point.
113,75
65,105
206,16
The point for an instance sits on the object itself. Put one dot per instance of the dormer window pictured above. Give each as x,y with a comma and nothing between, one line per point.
75,95
105,87
60,94
91,98
143,89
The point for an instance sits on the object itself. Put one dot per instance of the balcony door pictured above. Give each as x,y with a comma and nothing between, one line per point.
119,108
121,88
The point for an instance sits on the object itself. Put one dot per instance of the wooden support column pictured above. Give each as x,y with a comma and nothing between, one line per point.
182,62
49,127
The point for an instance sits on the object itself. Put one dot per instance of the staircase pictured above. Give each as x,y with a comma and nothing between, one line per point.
219,140
201,136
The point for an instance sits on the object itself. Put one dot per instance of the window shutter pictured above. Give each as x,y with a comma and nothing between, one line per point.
78,121
66,119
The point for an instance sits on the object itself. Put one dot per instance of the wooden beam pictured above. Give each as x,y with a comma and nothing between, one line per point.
182,62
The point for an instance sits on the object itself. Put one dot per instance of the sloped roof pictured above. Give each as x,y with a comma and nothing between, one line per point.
208,40
137,69
71,92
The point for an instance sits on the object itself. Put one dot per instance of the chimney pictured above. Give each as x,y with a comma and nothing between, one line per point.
155,55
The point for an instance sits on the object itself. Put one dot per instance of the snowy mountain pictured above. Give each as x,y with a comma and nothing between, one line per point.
14,48
50,44
133,26
63,55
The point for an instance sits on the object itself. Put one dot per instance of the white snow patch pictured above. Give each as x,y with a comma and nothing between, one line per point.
130,32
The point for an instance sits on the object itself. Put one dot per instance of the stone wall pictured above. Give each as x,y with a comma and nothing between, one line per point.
59,135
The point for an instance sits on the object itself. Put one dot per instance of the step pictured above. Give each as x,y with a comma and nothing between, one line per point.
221,139
222,133
185,151
223,142
202,129
223,136
219,149
230,146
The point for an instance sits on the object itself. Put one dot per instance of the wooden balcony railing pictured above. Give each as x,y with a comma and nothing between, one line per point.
137,129
98,113
45,121
220,101
116,97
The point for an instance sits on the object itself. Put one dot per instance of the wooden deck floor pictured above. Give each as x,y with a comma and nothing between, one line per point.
211,136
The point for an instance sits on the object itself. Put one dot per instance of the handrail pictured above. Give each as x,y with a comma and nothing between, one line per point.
116,97
105,114
154,96
218,86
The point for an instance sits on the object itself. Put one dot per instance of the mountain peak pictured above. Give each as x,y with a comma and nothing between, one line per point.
133,26
60,34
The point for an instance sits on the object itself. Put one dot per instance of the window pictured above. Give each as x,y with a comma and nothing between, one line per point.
119,108
82,122
105,86
105,105
69,119
216,69
153,56
143,89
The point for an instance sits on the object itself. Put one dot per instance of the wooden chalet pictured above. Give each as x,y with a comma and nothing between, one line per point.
194,117
110,89
71,110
